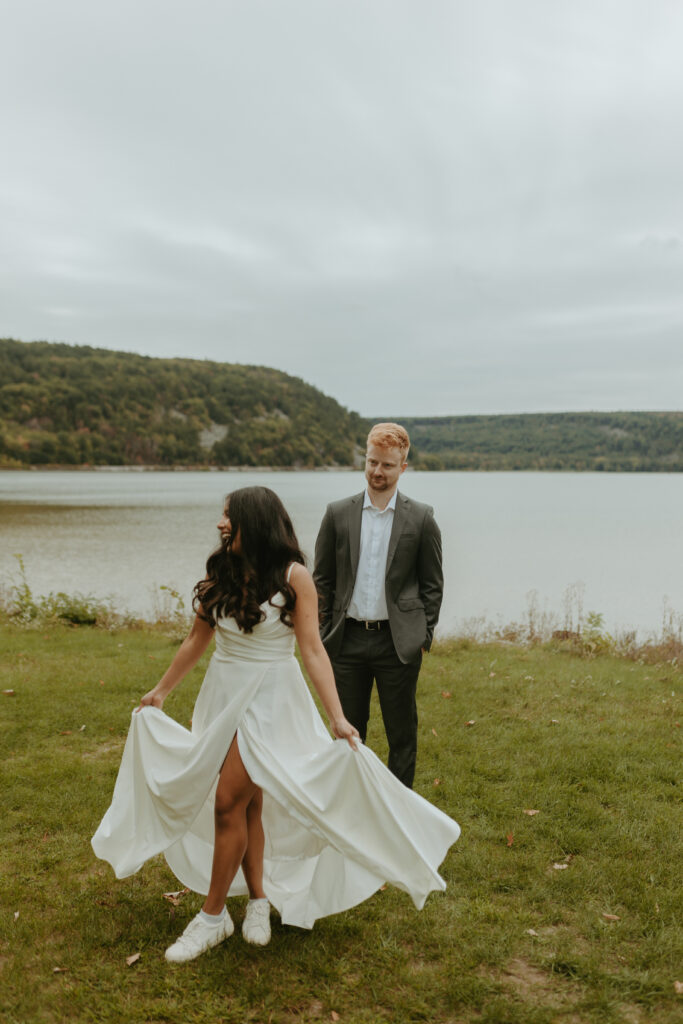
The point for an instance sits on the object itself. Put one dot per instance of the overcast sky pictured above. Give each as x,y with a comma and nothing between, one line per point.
419,206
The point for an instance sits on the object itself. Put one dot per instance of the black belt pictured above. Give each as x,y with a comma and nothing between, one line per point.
370,624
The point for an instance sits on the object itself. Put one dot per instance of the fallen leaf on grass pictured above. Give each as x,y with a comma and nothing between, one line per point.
446,693
16,914
678,988
471,722
8,693
492,675
554,721
434,732
59,970
611,917
174,897
560,867
334,1016
530,813
510,838
66,732
437,782
530,931
382,888
82,729
130,960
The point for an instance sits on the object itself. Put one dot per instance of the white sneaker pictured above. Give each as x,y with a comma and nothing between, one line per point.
256,924
198,937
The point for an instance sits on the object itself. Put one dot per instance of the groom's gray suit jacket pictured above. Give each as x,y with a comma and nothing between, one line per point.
413,577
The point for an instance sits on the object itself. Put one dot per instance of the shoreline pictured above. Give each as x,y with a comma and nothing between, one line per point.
59,468
589,639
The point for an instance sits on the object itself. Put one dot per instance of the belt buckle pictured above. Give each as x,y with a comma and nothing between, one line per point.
372,626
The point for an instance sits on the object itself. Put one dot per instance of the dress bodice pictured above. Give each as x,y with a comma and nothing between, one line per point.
270,640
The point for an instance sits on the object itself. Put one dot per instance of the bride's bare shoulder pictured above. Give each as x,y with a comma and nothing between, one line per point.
298,575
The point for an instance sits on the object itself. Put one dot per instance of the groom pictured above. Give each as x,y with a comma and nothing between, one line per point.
380,583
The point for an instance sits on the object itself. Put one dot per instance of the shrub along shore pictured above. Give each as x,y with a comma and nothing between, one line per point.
561,761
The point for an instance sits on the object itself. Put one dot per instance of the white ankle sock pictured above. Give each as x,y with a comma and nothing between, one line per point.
212,918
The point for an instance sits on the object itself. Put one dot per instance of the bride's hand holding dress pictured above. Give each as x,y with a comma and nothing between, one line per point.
187,656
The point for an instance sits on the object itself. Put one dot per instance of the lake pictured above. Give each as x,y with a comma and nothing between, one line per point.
610,543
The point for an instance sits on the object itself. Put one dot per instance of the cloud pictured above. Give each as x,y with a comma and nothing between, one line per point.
415,208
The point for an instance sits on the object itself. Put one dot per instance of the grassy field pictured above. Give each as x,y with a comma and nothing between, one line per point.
569,914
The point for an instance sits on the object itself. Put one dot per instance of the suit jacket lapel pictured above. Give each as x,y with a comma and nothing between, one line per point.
355,517
396,527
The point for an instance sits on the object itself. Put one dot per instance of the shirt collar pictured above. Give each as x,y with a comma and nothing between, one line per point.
390,505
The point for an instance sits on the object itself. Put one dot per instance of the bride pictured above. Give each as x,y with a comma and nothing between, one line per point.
257,797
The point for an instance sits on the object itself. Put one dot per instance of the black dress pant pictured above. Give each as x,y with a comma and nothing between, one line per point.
368,656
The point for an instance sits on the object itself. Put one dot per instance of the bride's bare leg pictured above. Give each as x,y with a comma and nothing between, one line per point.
252,862
234,793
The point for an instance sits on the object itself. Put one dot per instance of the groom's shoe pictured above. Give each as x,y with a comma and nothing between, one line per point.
198,937
256,924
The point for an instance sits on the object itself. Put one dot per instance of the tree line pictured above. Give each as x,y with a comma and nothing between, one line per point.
80,406
578,441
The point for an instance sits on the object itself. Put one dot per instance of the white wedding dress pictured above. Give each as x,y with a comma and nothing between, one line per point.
337,823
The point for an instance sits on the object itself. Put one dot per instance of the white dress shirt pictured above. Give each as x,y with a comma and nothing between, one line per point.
368,600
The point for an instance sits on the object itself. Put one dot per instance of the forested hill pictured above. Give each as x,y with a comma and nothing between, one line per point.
610,441
73,405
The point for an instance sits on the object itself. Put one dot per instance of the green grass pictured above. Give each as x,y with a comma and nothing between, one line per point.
592,744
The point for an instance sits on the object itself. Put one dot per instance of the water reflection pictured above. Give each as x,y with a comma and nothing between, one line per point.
505,535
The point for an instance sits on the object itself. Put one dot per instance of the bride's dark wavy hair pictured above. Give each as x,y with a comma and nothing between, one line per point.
238,584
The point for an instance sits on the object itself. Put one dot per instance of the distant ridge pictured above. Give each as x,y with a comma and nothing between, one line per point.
75,405
68,405
578,441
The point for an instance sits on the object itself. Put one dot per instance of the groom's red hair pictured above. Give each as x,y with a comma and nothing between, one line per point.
390,435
